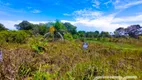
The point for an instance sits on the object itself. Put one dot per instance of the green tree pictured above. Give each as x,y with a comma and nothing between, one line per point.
60,29
96,34
75,36
71,28
90,34
24,25
60,26
2,27
49,24
81,33
40,29
104,34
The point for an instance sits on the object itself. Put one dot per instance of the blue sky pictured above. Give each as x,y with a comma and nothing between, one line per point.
88,15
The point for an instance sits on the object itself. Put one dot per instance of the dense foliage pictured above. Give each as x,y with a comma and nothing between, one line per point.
68,36
2,27
24,25
40,29
71,28
13,36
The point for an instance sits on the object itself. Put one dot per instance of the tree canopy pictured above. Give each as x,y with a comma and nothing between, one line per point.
24,25
2,27
59,26
40,29
71,28
81,33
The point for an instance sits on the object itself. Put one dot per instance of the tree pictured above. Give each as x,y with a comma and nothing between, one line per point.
81,33
24,25
92,34
2,27
89,34
40,29
60,26
75,36
96,33
49,24
71,28
58,31
53,32
104,34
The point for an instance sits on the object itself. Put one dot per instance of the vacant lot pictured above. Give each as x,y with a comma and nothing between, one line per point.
68,61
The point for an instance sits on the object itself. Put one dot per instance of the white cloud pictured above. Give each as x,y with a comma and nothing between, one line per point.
32,10
9,24
126,4
137,18
92,19
104,22
123,4
96,3
36,11
65,14
106,3
85,13
38,22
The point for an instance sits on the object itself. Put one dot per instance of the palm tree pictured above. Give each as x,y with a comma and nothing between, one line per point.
56,29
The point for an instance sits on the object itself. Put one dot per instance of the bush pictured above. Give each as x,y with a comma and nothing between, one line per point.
140,37
75,36
13,36
68,36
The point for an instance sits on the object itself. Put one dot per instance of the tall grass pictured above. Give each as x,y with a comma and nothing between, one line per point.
68,61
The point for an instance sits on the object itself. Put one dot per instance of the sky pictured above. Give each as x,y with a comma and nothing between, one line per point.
87,15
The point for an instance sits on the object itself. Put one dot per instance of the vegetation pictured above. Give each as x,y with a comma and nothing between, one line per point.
28,55
13,36
2,27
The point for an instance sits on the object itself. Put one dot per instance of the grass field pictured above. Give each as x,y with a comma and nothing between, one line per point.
118,45
68,61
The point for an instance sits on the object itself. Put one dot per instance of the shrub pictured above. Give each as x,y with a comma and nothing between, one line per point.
82,39
39,47
140,37
75,36
68,36
13,36
40,75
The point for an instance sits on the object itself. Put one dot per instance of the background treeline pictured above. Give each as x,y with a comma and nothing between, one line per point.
26,29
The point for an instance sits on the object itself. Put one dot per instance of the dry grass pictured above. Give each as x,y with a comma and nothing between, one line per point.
67,61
